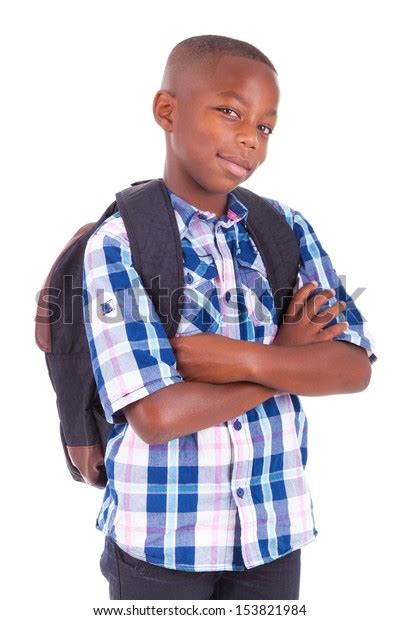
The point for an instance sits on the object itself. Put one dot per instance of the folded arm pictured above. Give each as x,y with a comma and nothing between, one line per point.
188,407
224,377
304,358
310,370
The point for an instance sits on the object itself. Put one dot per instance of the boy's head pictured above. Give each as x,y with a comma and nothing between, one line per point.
217,103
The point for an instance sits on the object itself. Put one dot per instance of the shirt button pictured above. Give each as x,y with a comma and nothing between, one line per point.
240,492
237,425
202,216
189,278
227,296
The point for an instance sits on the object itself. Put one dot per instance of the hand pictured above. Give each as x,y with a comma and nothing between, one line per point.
209,358
303,325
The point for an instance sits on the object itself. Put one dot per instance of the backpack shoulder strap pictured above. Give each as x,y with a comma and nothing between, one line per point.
277,245
156,248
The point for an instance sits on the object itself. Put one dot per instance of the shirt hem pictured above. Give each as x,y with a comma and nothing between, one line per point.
209,567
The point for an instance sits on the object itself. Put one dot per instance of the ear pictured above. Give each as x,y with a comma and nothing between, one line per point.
164,105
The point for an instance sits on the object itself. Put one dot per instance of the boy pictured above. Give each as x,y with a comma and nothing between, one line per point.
206,495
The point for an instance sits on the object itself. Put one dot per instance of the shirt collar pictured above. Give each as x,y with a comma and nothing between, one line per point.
236,212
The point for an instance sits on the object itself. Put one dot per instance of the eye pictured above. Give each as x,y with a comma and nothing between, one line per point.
228,110
267,131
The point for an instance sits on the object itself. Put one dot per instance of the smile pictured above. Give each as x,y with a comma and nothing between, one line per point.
235,169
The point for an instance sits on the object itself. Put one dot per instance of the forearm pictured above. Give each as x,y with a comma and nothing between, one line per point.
310,370
188,407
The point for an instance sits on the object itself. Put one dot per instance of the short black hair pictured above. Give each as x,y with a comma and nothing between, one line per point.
206,49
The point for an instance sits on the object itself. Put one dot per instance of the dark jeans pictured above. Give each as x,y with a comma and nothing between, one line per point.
132,579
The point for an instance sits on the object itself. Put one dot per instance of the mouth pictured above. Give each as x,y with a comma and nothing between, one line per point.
238,166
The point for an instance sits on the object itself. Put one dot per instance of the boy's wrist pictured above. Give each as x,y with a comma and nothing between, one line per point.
254,360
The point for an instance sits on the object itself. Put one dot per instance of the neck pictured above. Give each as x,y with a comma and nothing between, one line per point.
194,194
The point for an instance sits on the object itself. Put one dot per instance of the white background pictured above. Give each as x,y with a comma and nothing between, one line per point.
77,122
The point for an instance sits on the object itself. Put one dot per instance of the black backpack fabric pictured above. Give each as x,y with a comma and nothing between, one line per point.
152,230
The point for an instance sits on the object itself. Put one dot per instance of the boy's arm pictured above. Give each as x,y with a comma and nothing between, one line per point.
243,374
310,370
302,359
188,407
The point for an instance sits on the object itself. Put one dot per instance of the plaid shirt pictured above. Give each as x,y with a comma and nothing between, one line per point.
232,496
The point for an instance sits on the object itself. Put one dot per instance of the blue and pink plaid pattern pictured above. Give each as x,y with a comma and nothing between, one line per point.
234,495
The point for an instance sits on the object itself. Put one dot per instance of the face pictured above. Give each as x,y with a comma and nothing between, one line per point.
218,131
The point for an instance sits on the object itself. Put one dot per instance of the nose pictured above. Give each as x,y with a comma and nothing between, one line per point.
248,136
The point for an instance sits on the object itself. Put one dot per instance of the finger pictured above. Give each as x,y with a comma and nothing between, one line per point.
331,332
296,303
315,302
323,318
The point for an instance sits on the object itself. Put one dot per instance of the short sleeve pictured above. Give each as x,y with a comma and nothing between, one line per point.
130,352
315,264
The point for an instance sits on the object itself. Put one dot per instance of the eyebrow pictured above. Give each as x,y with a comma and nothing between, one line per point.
232,93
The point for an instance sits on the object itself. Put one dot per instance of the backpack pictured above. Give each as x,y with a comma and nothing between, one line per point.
148,215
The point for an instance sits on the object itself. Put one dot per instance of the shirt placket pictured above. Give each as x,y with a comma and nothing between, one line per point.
238,428
226,286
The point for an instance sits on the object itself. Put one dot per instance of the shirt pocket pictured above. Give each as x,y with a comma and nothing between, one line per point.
200,307
258,295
